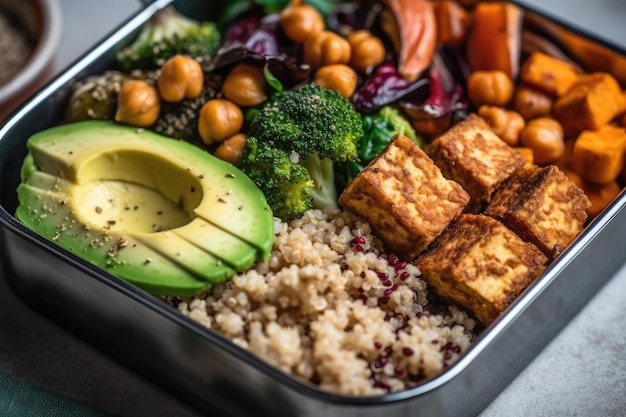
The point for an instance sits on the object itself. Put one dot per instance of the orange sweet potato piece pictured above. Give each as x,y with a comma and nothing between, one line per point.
590,103
412,27
598,155
494,39
599,195
452,22
526,153
548,74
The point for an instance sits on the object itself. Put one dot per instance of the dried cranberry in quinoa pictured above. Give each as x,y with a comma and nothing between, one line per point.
331,308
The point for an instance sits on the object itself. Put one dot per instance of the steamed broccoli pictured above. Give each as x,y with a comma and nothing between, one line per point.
378,129
308,120
166,34
304,132
286,185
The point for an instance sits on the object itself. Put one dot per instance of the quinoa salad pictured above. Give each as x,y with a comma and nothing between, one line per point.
332,308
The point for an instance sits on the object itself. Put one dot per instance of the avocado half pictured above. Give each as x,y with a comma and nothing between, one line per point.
157,212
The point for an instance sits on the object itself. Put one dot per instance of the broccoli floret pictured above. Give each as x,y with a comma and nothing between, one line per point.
322,172
308,120
378,129
286,184
166,34
306,131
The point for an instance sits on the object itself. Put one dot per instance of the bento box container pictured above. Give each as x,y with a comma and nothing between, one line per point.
213,375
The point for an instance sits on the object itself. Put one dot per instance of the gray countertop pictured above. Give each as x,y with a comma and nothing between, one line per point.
582,372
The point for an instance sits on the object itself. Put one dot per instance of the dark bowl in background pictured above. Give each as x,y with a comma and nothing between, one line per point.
41,19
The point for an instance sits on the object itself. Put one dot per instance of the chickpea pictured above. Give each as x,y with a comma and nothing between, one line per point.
138,104
489,87
367,50
232,148
544,136
507,124
299,21
532,103
181,77
219,119
338,77
244,85
326,48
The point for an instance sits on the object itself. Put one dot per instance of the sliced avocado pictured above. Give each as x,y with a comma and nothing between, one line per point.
174,208
51,216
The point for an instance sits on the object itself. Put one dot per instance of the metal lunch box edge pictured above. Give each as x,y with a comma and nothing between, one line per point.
213,375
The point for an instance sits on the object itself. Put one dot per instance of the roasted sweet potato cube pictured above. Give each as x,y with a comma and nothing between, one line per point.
591,102
471,154
548,74
495,37
527,153
480,265
404,197
598,155
543,206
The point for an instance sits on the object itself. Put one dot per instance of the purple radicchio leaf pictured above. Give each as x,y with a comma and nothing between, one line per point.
386,86
446,101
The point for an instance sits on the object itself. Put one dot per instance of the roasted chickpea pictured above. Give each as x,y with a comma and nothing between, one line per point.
367,50
531,103
244,85
138,104
232,148
326,48
219,119
181,77
489,87
544,136
299,21
337,77
507,124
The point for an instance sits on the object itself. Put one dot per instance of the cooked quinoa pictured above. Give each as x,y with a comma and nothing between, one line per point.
330,308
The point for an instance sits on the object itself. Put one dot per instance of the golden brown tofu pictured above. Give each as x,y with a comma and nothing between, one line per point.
404,197
480,265
471,154
543,206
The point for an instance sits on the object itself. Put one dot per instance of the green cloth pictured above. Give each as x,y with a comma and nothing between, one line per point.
20,398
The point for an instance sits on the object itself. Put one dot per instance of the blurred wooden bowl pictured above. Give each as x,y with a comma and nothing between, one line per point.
41,19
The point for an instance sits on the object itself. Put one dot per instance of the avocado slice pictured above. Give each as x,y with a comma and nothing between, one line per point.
157,212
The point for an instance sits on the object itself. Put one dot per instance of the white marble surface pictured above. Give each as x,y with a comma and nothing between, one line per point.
581,373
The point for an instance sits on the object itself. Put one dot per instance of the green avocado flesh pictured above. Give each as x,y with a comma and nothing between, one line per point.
157,212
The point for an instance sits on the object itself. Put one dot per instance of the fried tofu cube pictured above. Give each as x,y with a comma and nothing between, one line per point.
543,206
480,265
471,154
404,197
